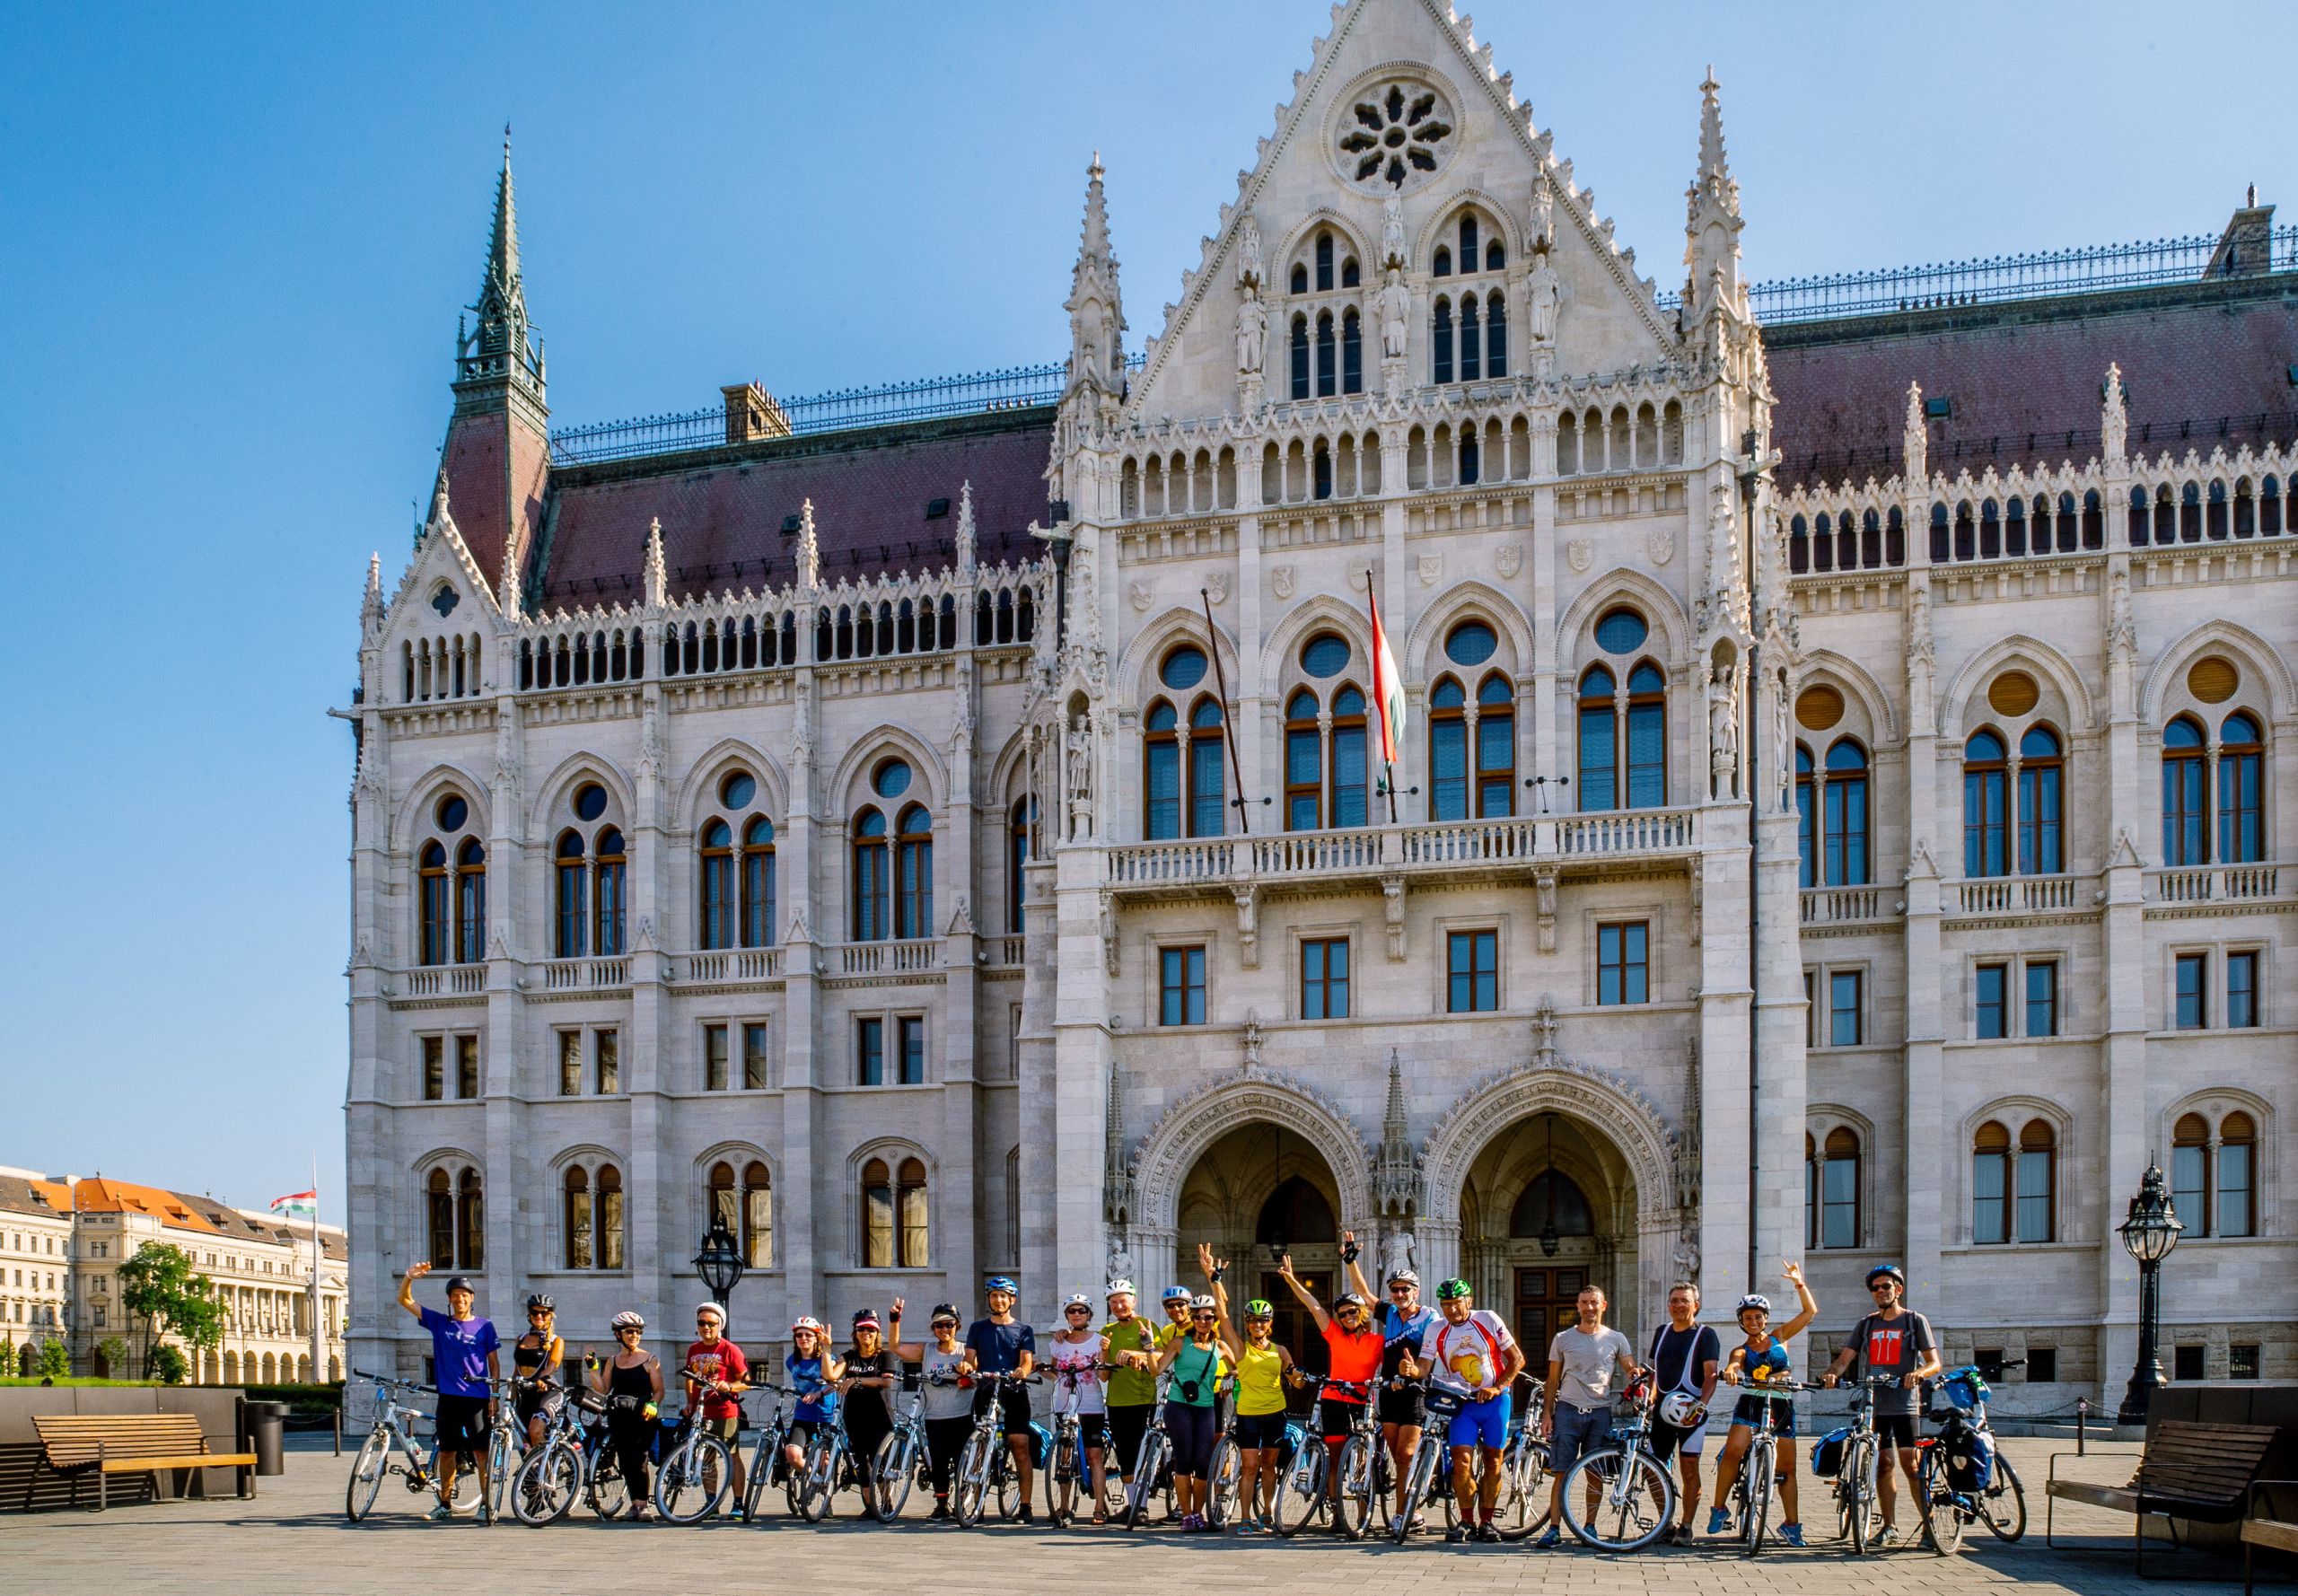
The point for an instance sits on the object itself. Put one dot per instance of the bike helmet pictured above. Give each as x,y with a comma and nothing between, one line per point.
702,1308
942,1310
1259,1308
541,1301
1893,1271
1452,1291
1174,1294
1755,1300
1003,1282
866,1319
1076,1299
1348,1299
1681,1409
627,1321
456,1283
1202,1303
1402,1277
807,1322
1119,1287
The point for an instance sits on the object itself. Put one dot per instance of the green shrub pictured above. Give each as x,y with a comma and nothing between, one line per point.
55,1359
168,1365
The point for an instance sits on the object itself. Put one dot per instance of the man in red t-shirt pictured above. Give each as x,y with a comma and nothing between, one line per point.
717,1373
1354,1346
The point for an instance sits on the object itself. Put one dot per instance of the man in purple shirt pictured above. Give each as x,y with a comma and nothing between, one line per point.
464,1353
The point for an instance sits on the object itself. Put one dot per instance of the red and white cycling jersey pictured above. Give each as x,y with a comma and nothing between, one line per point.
1468,1355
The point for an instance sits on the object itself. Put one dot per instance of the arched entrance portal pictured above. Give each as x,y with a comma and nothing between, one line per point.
1549,1207
1259,1193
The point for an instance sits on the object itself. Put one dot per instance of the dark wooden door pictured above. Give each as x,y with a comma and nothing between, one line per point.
1547,1301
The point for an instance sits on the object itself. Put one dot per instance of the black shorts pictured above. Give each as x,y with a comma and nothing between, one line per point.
1340,1417
1017,1407
461,1424
1408,1405
1895,1429
1666,1439
1261,1431
1127,1421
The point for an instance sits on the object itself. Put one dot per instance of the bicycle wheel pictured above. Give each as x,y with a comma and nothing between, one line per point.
693,1479
548,1479
1155,1449
367,1471
813,1487
499,1467
1635,1499
891,1470
765,1457
2003,1505
1942,1521
1417,1485
1855,1491
973,1476
1523,1489
1355,1487
1005,1483
1755,1482
1221,1480
1300,1487
608,1492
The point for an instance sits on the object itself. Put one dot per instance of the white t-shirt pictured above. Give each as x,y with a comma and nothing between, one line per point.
1076,1385
1468,1355
1591,1363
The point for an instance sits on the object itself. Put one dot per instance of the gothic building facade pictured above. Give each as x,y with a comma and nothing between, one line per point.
1835,809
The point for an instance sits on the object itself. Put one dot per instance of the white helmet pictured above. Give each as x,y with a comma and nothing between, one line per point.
1119,1287
715,1307
1681,1409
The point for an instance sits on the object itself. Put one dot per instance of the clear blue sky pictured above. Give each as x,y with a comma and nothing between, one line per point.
233,242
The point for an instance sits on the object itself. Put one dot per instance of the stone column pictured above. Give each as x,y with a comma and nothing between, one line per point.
1931,838
958,901
806,1052
2126,1131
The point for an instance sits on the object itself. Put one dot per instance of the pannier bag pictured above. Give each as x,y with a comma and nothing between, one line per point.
1970,1461
1827,1456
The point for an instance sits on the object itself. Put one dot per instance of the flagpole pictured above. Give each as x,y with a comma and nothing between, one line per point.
318,1335
1380,703
1221,681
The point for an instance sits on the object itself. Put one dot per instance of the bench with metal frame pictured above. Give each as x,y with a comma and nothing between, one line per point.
142,1444
2200,1472
2264,1529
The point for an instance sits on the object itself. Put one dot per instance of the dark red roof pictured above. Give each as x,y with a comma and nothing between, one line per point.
2201,364
723,508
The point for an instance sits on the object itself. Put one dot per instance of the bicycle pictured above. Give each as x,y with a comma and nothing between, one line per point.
1635,1492
1359,1475
1226,1472
394,1427
697,1468
1066,1457
2001,1505
567,1465
985,1467
827,1466
1429,1471
768,1465
1759,1469
1152,1471
1855,1488
901,1460
1523,1472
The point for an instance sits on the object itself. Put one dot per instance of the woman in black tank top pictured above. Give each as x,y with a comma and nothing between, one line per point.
537,1355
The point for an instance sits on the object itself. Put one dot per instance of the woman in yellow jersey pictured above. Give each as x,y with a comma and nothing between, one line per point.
1263,1370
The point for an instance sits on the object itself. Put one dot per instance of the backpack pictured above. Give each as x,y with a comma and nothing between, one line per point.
1970,1461
1827,1455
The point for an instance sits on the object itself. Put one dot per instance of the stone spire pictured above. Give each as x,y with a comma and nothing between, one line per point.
1712,221
1396,1169
809,551
1118,1190
1096,310
439,512
658,575
500,351
1914,440
2114,420
965,533
371,603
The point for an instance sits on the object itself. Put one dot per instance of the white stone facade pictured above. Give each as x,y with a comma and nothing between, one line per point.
1060,1129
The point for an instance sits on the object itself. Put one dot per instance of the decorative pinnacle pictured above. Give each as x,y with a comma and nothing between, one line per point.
1714,168
810,555
657,575
964,538
1096,242
503,247
439,495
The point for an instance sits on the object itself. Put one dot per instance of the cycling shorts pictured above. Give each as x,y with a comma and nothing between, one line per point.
1896,1429
1259,1432
1480,1423
1749,1411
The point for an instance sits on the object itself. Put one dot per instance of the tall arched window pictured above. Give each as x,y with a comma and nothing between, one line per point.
1496,332
1471,340
2041,786
718,901
757,882
1448,751
578,1218
758,1215
1599,740
471,901
2237,1206
572,937
1324,262
1838,1189
439,1203
873,878
1648,737
1984,773
470,1222
1441,343
1807,802
1845,805
1467,243
1300,356
2241,763
1351,772
877,1215
2185,795
1304,764
1207,778
1160,783
1496,746
1017,859
914,879
725,1204
608,899
1327,350
1991,1185
433,891
909,1190
610,1217
2037,1181
1351,353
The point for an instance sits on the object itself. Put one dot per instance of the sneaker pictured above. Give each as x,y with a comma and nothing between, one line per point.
1419,1522
1551,1541
486,1513
1719,1521
1888,1536
940,1508
441,1514
1488,1532
1792,1534
1022,1513
1456,1535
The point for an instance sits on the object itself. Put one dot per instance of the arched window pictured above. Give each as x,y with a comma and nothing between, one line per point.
915,866
1440,342
757,1227
2037,1181
1324,262
1991,1185
1448,751
578,1195
571,939
1467,243
608,898
877,1215
1496,257
1300,279
1838,1189
1598,775
1300,356
610,1217
1442,265
1328,365
1209,788
1349,277
1807,788
872,880
471,901
1496,746
432,888
757,882
1552,1195
1496,330
2185,795
2190,1173
910,1186
1984,773
1161,760
1646,712
2241,763
2041,785
1304,764
725,1204
1017,826
2237,1205
439,1202
1471,340
1846,806
717,885
1352,351
1351,771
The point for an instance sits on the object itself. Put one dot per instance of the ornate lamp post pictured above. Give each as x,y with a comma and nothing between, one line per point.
1549,1240
720,1262
2148,1234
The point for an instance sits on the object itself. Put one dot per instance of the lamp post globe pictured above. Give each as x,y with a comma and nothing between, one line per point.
720,1262
2149,1231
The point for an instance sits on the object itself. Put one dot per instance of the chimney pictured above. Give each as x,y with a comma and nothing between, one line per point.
751,413
2245,249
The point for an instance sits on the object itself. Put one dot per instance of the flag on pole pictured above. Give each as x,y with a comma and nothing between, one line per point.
1388,687
298,1204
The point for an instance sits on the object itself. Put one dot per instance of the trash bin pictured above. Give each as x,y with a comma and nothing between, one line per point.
267,1424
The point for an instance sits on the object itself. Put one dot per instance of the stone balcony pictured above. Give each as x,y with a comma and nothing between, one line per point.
1566,844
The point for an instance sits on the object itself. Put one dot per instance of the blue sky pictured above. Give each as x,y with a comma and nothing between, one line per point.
233,242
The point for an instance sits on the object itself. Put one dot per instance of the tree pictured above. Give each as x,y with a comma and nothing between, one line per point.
159,1285
113,1352
55,1361
168,1365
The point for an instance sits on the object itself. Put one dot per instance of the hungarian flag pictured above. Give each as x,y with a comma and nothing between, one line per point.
297,1205
1387,687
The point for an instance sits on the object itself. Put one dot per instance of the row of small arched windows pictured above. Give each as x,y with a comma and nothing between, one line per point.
2015,1185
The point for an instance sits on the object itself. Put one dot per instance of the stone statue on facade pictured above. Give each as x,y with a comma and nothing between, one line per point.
1396,1255
1248,261
1544,293
1543,216
1396,314
1782,741
1723,731
1119,1261
1253,334
1392,244
1078,751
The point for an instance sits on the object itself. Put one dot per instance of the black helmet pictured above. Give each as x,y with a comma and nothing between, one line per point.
538,1300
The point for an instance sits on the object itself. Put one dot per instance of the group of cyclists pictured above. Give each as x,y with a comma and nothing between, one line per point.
1111,1376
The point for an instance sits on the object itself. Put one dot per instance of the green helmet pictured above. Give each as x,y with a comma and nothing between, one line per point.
1452,1290
1259,1308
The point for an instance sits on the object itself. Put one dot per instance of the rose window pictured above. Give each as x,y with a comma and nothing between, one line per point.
1393,135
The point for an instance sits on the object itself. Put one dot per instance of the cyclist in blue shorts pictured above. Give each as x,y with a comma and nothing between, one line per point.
1756,1362
1469,1352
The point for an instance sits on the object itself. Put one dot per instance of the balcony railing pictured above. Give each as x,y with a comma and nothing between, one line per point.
735,964
2216,884
1846,906
585,975
2016,894
1447,845
444,980
887,958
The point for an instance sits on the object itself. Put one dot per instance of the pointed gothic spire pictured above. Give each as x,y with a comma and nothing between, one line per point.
1914,443
2114,421
809,551
658,576
503,253
371,602
1096,311
499,349
965,551
438,498
1396,1170
1711,216
1713,168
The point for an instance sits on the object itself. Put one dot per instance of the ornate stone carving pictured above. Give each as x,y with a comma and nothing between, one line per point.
1514,1091
1397,1254
1697,871
1139,595
1280,581
1360,574
1544,904
1393,240
1395,315
1544,1025
1431,568
1217,587
1392,909
1723,731
1110,944
1543,300
1198,1119
1660,543
2122,629
1252,335
1508,560
1543,213
2114,421
1249,927
1248,261
1077,778
1251,1041
1578,554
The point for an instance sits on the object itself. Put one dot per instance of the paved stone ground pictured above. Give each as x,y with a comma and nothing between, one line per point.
293,1538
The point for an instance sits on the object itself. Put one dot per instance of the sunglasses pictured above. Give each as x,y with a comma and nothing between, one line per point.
1088,1312
538,1313
1884,1286
944,1324
628,1329
1400,1290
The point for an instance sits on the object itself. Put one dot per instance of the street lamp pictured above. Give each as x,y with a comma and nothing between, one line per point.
720,1262
2148,1234
1549,1240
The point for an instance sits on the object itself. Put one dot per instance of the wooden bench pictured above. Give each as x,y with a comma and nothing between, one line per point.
2259,1530
141,1443
2198,1472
